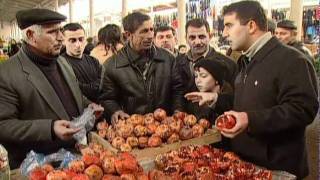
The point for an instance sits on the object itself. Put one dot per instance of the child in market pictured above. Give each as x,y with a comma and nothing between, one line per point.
215,95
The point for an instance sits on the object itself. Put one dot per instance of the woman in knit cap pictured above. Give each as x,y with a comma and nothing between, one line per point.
214,96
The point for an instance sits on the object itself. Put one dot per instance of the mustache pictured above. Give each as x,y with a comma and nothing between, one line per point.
199,45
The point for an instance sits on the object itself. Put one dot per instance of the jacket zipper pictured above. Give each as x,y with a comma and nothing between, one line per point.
144,78
245,78
244,73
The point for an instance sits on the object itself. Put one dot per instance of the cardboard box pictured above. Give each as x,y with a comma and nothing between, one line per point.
211,136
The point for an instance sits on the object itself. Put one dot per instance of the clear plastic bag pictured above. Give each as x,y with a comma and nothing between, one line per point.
85,122
34,160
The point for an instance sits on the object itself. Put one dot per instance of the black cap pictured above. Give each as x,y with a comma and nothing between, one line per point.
287,24
215,67
29,17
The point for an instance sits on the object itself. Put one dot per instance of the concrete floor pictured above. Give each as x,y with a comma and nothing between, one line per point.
312,139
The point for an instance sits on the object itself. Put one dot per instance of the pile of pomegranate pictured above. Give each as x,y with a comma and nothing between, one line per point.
188,162
152,130
96,163
206,163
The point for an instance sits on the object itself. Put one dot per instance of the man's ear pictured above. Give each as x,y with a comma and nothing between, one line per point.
253,27
127,34
176,39
30,35
294,33
211,34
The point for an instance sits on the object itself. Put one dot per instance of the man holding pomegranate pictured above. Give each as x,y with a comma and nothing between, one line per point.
275,93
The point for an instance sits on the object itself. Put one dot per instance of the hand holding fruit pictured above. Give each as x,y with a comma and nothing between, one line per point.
118,115
232,129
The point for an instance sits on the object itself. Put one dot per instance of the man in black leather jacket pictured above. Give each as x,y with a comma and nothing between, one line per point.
140,77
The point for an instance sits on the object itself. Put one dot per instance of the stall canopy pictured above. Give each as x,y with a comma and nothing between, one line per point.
8,8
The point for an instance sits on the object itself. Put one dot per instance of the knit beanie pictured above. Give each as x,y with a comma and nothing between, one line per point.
216,68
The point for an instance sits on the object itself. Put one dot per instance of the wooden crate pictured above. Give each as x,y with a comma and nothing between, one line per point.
147,154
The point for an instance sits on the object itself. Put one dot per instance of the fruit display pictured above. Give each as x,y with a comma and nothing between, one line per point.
186,163
96,163
152,130
204,162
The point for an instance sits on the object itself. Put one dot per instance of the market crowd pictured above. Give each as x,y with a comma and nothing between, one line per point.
271,89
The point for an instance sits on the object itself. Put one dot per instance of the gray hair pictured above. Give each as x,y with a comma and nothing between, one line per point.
37,29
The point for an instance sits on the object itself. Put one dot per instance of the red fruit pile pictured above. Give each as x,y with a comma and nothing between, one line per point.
152,130
204,162
96,163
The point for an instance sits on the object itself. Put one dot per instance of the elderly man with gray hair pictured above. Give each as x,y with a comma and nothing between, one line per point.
39,94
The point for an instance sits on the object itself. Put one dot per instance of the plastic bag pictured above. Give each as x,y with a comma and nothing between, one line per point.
34,160
85,122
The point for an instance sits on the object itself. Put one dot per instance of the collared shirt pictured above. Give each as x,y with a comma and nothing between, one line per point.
143,62
256,46
193,61
190,58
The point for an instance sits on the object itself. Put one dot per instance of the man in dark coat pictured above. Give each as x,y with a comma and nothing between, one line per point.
140,77
286,32
198,37
38,90
275,93
86,68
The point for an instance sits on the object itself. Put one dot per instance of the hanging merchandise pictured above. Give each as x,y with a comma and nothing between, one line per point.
279,15
174,24
198,9
310,23
318,13
166,20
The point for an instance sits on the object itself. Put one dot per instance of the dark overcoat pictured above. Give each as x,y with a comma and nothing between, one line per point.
278,90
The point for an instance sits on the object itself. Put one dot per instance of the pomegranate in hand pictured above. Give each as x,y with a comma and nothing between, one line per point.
226,121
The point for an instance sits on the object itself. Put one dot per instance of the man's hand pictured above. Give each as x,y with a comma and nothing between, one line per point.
202,97
118,115
241,124
98,109
63,130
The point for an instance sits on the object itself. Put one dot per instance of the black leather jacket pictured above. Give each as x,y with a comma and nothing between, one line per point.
126,87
